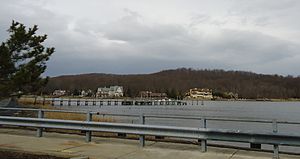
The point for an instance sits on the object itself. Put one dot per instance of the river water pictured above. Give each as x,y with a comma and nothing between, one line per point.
282,111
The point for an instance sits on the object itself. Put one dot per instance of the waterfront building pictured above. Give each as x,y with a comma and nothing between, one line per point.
110,92
86,93
59,92
200,93
152,95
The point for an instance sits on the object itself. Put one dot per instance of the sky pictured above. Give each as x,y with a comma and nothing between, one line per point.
143,36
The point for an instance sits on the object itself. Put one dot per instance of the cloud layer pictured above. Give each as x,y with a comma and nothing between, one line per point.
143,36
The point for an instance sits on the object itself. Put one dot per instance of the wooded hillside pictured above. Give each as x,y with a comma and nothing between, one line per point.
246,84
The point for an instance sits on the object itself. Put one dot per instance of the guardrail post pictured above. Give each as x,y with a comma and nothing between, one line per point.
142,137
34,103
275,147
88,134
203,142
39,131
44,100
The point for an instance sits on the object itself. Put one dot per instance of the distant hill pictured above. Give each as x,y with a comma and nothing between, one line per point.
178,81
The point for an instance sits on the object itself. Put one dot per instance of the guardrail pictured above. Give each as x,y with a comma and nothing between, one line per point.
202,134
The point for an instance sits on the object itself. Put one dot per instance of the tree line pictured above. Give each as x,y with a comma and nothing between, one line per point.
178,81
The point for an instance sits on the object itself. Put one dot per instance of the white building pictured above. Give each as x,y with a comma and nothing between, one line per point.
85,93
59,92
111,92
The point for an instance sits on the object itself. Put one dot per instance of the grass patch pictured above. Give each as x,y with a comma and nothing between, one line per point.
29,102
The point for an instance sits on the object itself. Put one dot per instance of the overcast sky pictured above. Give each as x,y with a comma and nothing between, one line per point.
144,36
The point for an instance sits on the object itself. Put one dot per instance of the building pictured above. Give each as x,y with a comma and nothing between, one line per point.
86,93
200,93
158,95
59,92
110,92
145,94
152,95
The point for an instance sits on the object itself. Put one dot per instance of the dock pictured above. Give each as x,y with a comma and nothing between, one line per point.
111,102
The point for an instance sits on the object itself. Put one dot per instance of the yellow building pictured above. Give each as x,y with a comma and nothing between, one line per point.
200,93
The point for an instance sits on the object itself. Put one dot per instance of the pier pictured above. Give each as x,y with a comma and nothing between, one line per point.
112,102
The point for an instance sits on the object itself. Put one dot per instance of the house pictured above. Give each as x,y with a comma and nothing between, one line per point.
110,92
59,92
158,95
200,93
86,93
145,94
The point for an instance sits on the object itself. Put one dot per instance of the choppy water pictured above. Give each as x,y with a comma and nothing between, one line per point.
283,111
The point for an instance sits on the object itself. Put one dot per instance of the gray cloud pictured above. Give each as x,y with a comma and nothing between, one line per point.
245,36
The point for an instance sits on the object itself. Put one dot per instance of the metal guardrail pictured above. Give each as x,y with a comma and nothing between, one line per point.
169,131
202,134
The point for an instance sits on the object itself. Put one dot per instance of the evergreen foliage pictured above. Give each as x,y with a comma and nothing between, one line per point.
22,61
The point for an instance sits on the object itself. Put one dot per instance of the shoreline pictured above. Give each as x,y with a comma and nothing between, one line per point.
260,100
215,99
